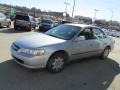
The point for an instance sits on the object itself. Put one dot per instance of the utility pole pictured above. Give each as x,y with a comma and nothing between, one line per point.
65,13
73,8
112,13
66,6
94,18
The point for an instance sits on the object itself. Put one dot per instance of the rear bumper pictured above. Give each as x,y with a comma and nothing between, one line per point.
21,26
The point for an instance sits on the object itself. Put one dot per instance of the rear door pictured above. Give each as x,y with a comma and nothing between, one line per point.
100,36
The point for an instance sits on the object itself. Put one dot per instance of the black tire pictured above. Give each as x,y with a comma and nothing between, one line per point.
29,29
15,27
8,26
105,53
0,25
56,63
40,29
34,27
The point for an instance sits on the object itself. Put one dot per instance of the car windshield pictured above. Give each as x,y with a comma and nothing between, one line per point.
20,17
46,21
2,15
65,32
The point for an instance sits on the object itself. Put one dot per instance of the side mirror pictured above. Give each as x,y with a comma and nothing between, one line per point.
80,38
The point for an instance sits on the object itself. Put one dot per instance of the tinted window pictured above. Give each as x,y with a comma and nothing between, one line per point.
66,32
98,33
46,21
21,17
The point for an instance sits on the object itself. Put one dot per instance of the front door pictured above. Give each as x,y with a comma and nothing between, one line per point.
87,47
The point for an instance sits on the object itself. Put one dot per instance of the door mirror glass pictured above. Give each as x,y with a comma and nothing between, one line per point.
80,38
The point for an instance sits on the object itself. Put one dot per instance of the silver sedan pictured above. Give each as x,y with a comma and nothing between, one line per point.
4,21
60,45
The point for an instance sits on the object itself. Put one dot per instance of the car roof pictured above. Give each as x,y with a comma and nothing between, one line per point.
81,25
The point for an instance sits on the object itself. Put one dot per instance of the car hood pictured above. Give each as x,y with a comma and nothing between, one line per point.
37,41
2,19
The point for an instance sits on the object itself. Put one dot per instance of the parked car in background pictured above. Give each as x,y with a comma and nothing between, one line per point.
4,21
58,46
112,33
46,24
107,31
64,22
56,23
24,21
38,21
115,34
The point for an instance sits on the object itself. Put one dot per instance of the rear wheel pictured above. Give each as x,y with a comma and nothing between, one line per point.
34,27
105,53
0,24
56,63
29,29
15,27
8,26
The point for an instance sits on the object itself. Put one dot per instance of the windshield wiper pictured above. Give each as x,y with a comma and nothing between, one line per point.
52,35
55,36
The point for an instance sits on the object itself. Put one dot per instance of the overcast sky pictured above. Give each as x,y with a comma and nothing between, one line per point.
83,7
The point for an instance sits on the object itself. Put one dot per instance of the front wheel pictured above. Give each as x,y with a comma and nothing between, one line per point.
56,63
105,53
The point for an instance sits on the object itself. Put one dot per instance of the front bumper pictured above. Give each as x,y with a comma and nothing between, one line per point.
45,27
30,61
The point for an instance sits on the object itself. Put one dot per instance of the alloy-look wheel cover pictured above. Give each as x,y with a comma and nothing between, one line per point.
58,63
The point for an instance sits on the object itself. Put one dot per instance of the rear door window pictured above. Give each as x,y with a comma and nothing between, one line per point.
98,33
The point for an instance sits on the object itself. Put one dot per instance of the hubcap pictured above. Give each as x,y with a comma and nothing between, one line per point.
58,63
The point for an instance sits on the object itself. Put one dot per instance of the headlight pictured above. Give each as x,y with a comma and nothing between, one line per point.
32,52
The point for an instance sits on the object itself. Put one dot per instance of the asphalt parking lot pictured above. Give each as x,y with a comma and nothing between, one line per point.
86,74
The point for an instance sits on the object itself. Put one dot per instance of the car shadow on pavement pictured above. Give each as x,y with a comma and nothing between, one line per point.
11,30
93,74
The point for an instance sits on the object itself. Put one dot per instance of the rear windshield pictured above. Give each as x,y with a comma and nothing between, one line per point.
20,17
46,21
